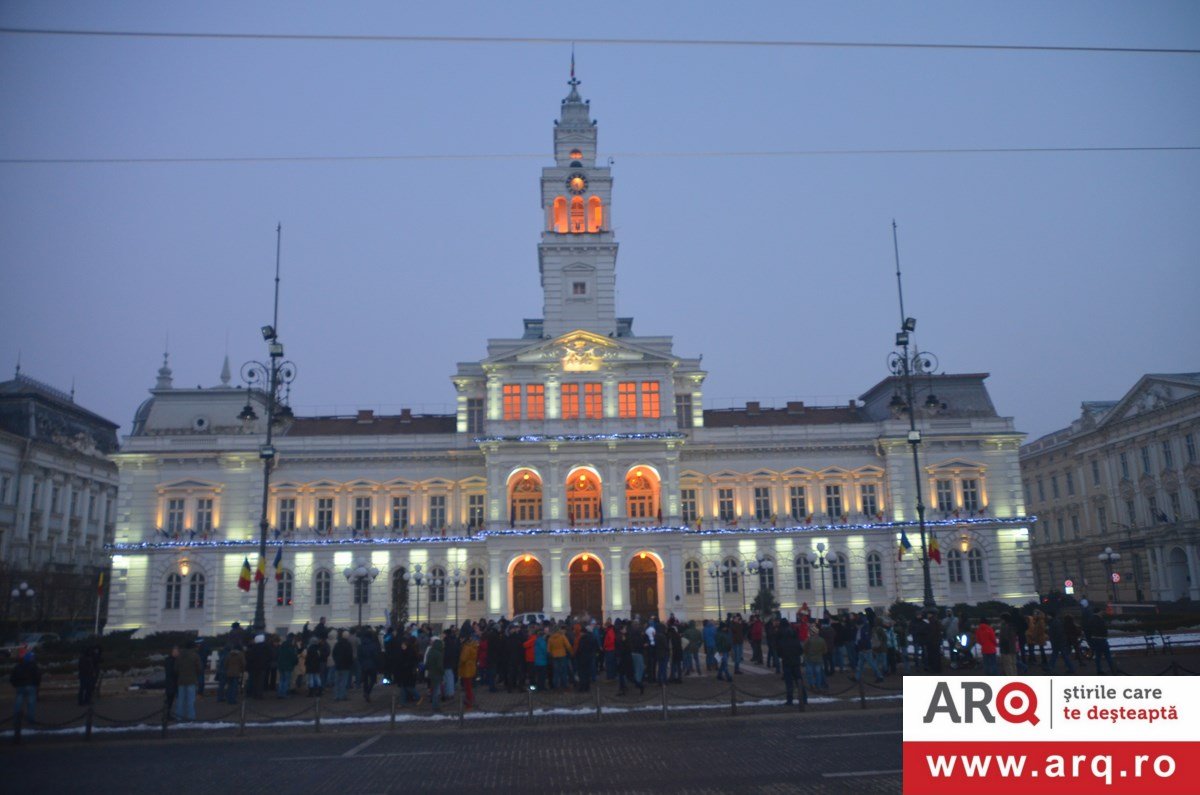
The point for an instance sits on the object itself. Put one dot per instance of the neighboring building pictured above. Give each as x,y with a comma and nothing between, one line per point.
1125,476
57,497
579,474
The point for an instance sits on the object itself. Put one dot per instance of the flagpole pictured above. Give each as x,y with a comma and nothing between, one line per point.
99,598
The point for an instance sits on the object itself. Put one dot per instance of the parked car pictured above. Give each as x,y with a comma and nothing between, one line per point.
529,618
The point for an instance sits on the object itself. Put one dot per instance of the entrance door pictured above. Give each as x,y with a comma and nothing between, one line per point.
527,587
587,591
643,587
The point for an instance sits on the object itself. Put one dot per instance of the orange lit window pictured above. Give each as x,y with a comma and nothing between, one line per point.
577,215
595,214
593,401
650,405
535,402
560,214
512,402
576,154
570,401
627,399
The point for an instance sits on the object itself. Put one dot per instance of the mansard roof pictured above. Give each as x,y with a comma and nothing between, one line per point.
580,345
367,423
753,415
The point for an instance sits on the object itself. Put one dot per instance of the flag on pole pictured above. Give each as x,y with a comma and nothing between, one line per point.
512,516
905,544
244,577
934,552
570,518
601,506
100,585
659,515
260,571
279,563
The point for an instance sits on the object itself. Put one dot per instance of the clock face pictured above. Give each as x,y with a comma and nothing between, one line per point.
576,183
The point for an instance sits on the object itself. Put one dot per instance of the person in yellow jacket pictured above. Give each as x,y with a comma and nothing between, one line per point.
468,657
560,650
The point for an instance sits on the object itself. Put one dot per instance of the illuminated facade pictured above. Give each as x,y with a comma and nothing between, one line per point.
579,474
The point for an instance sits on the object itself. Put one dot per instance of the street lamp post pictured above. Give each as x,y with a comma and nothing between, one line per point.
906,364
274,380
760,565
1108,558
416,577
714,571
22,595
1129,544
456,580
821,564
360,578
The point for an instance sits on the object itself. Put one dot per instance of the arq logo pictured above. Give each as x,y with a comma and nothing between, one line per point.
1016,702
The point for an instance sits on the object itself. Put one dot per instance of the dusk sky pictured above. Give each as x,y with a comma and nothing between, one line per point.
1066,275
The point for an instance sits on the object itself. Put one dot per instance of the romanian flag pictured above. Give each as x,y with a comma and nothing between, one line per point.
934,552
570,518
905,544
244,578
279,564
100,585
658,516
260,571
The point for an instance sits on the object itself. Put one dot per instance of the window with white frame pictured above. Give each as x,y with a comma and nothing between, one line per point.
399,513
1123,460
437,585
730,574
725,504
1095,472
475,511
766,575
1189,447
870,499
975,565
945,494
837,571
1075,525
874,570
683,409
324,514
285,516
284,589
175,515
803,573
437,511
687,505
970,494
954,566
1176,512
174,591
797,503
321,587
691,578
204,515
475,584
1070,484
762,503
1168,455
1101,519
474,415
1145,451
195,591
1131,512
362,514
833,501
361,590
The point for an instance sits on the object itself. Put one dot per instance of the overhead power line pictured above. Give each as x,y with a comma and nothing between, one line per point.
541,155
598,41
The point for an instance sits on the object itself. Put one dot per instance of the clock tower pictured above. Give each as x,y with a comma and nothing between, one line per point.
577,255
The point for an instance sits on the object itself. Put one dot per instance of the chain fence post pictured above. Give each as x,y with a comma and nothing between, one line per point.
242,718
17,727
530,692
392,721
732,698
862,694
597,700
461,715
317,714
664,700
87,727
166,716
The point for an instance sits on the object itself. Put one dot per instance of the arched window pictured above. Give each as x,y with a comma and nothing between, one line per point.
874,570
195,591
595,214
766,575
437,585
730,572
641,495
560,214
362,590
583,497
691,577
475,584
578,222
954,565
174,591
283,589
322,587
975,565
837,571
803,573
525,497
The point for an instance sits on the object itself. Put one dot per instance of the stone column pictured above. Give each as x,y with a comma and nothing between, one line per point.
554,572
617,602
497,585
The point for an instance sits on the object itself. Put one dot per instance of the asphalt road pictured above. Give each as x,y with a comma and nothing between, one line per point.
833,752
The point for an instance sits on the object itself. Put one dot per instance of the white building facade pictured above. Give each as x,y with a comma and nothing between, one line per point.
580,474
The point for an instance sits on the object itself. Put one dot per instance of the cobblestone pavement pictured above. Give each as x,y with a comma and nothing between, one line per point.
833,752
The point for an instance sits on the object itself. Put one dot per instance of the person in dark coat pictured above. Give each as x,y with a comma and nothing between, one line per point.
89,672
343,664
585,660
171,680
26,678
368,661
257,661
314,665
790,651
675,641
495,657
514,658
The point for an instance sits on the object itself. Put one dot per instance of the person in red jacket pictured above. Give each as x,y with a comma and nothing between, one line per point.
609,646
985,636
756,639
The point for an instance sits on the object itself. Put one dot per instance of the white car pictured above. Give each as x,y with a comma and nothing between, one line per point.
529,618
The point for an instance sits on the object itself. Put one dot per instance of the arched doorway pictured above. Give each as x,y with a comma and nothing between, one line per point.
587,588
527,586
1177,573
643,586
641,495
525,497
583,498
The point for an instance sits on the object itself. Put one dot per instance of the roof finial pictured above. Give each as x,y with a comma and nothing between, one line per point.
164,373
72,389
573,82
225,376
17,374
